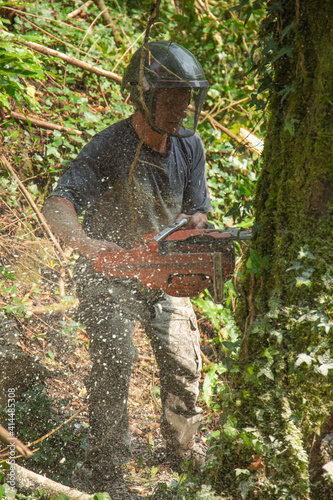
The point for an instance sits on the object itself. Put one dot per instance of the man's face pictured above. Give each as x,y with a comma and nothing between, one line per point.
171,105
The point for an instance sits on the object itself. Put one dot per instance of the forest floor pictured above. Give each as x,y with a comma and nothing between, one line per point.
38,295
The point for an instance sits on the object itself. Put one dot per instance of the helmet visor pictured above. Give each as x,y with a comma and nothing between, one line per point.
175,109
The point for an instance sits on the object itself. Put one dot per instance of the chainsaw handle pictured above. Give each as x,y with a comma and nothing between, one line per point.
170,229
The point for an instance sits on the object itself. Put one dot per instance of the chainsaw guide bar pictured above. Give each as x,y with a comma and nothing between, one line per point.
182,262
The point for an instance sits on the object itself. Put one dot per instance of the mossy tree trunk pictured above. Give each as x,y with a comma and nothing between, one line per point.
282,396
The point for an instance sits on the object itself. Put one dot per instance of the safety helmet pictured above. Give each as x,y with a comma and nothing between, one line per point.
166,65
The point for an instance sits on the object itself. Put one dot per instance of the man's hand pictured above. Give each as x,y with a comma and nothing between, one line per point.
92,249
196,221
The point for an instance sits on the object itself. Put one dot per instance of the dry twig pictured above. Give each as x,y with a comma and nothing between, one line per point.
33,205
80,9
57,428
44,124
109,21
72,60
205,359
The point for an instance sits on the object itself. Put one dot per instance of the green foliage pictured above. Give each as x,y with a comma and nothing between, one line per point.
16,63
231,180
185,490
211,382
36,416
218,313
256,264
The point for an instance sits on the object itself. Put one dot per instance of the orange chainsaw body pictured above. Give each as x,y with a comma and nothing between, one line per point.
183,264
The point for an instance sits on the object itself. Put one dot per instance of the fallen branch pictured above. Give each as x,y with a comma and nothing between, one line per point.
246,139
27,482
72,60
57,308
43,124
109,21
251,141
33,205
79,10
205,359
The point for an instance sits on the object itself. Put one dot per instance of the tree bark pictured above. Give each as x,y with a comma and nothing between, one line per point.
285,361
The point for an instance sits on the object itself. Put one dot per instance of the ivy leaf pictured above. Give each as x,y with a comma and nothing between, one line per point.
288,29
239,6
305,253
329,469
326,324
284,51
234,211
323,369
303,358
302,280
231,346
51,150
242,471
267,372
229,428
209,383
215,435
90,117
278,334
256,263
326,357
295,265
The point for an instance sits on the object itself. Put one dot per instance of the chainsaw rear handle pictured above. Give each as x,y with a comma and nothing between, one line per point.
175,227
170,229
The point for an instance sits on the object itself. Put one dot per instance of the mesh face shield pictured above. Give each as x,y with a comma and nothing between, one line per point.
174,109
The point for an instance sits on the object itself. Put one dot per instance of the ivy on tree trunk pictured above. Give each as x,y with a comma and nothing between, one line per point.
278,409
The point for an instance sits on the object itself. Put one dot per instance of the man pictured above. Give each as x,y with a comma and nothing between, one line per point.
133,178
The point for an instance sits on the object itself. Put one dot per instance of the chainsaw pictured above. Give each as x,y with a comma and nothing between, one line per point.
181,262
